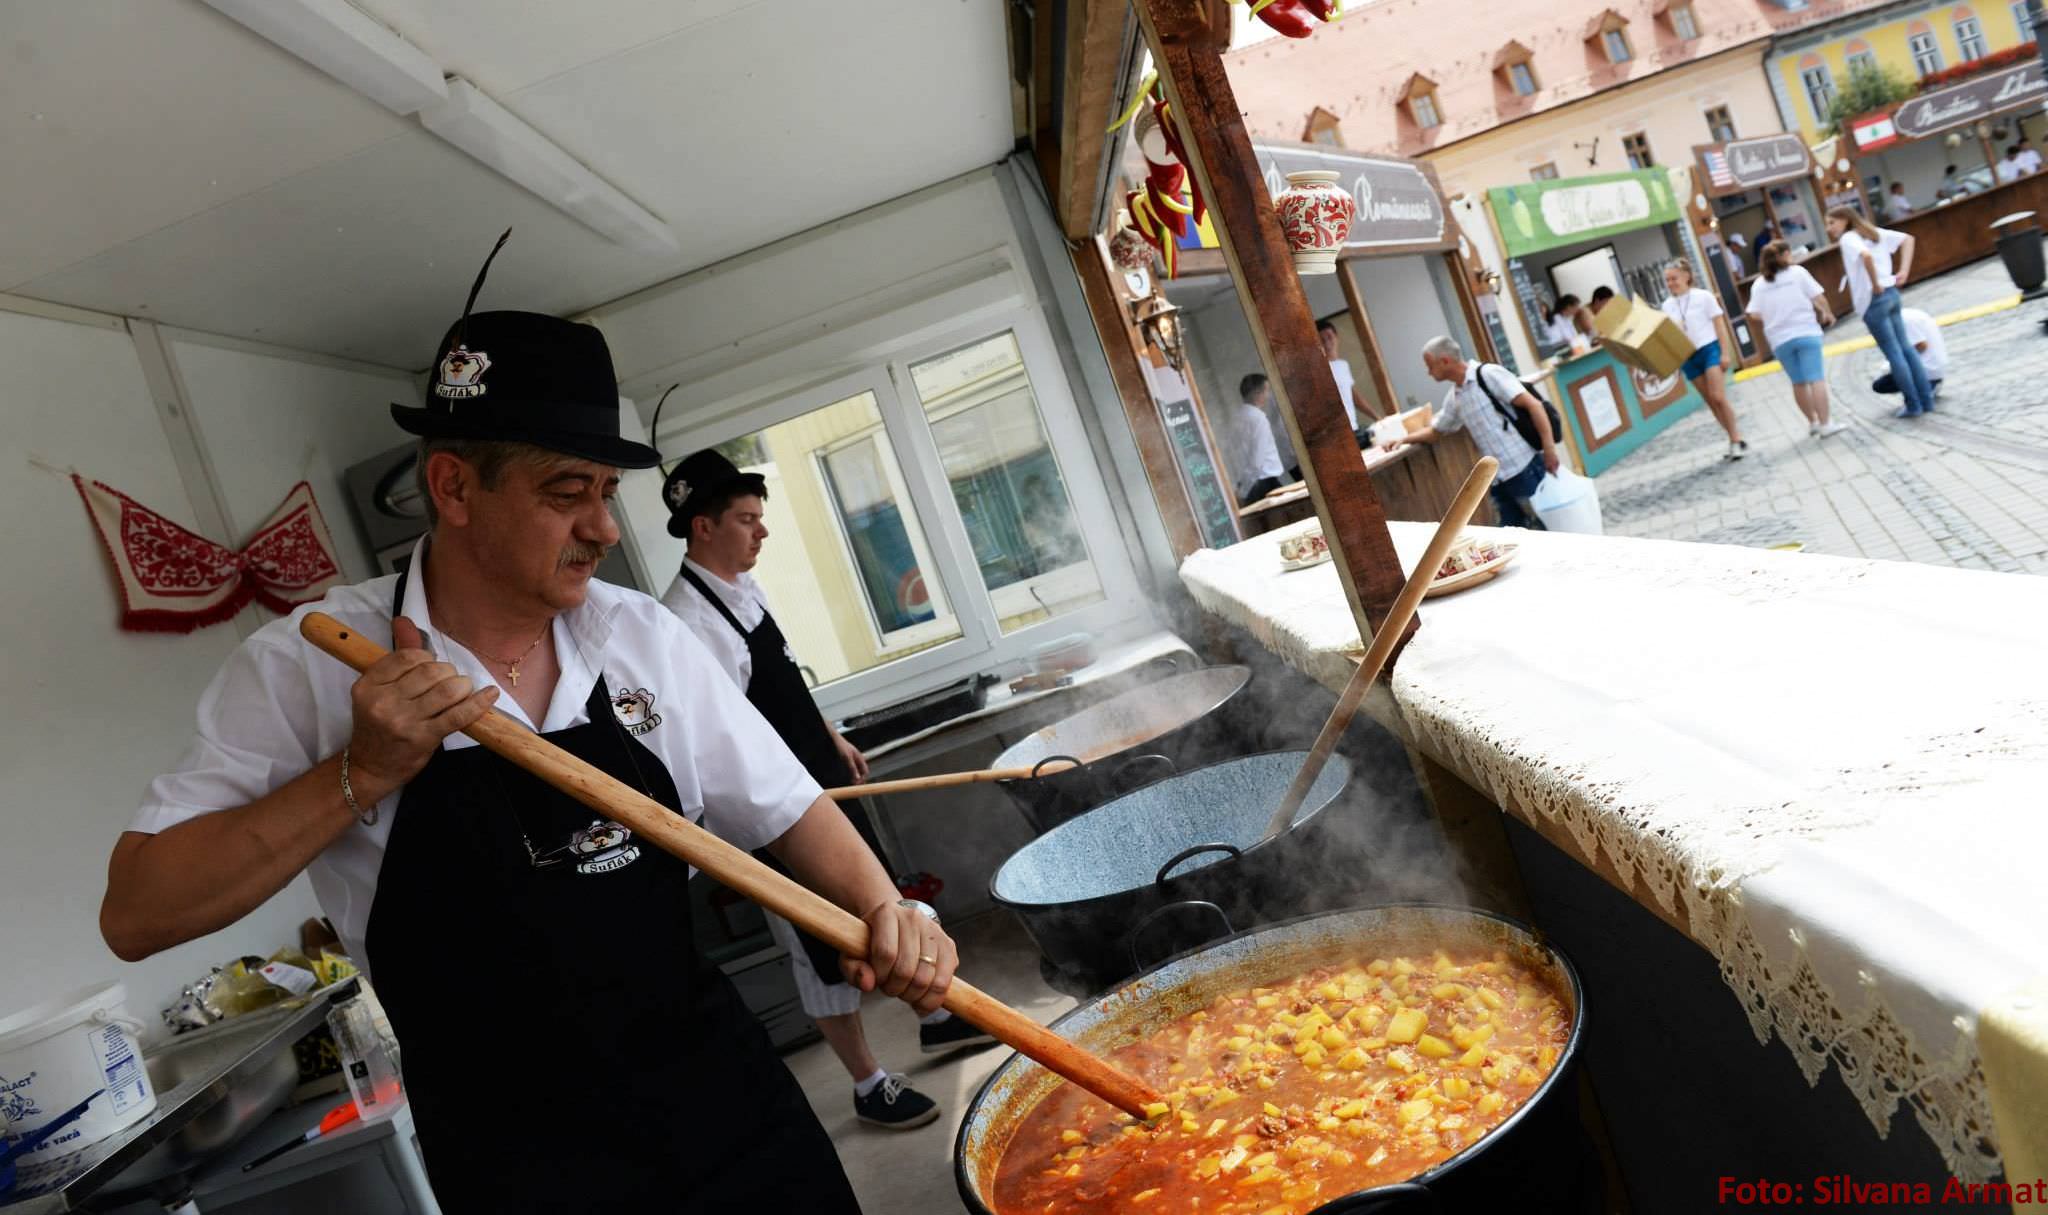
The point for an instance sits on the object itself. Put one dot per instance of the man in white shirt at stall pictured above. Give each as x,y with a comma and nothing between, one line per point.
1896,205
1486,411
1925,334
2010,169
1347,384
1255,468
2030,160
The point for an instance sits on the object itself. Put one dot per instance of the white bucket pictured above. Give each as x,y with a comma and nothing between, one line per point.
1568,502
57,1053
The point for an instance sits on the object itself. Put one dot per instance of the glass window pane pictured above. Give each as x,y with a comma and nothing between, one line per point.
1006,482
846,568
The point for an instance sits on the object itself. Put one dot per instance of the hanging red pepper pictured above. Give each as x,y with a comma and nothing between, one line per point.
1287,17
1325,10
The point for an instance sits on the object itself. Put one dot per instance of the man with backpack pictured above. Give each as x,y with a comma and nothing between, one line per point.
1506,421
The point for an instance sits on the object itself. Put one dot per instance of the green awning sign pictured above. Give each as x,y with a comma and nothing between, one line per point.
1543,215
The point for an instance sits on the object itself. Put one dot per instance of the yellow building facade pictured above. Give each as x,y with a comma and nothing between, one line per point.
1806,69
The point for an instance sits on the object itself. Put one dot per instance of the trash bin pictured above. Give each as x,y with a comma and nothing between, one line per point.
2019,247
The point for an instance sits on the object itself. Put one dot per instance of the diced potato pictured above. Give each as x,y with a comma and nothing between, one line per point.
1407,1025
1073,1170
1379,966
1401,1060
1330,991
1238,1043
1207,1166
1214,1128
1223,1097
1473,1057
1433,1046
1267,1001
1334,1039
1327,1123
1378,1155
1313,1057
1070,1136
1266,1082
1414,1111
1145,1195
1491,1103
1445,991
1261,1176
1528,1076
1350,1109
1232,1158
1467,1038
1546,1056
1490,998
1457,1087
1155,1109
1352,1060
1403,966
1261,1160
1201,1090
1274,1110
1342,1156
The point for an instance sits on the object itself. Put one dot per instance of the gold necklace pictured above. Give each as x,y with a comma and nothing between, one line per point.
511,665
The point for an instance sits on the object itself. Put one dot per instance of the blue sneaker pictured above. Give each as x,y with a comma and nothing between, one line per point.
1905,412
951,1034
895,1106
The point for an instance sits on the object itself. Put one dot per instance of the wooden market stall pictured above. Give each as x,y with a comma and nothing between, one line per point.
1745,188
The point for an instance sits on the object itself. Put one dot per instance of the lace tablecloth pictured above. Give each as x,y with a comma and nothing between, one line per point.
1835,768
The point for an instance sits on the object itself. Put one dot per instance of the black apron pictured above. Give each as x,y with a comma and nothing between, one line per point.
565,1046
777,688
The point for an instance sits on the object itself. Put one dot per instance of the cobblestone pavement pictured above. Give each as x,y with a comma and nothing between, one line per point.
1966,487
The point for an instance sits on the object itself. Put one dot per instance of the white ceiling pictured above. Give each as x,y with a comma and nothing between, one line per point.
158,160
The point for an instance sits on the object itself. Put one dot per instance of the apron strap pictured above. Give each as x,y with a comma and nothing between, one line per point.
690,576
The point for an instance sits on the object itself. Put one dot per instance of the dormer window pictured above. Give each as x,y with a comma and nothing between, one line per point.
1419,95
1610,31
1513,63
1323,128
1683,19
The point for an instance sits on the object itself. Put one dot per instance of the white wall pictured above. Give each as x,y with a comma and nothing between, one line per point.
1403,303
97,712
270,419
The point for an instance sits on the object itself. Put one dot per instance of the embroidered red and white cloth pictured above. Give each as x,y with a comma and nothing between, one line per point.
173,580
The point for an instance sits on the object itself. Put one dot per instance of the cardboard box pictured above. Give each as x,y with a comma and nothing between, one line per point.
1642,337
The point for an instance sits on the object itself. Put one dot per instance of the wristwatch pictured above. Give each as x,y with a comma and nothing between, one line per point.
918,905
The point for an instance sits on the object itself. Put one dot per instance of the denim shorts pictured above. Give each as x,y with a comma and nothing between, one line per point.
1801,359
1706,356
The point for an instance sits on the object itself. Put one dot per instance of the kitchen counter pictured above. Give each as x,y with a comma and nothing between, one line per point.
1826,772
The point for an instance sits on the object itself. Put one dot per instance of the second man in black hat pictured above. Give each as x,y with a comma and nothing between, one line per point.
718,510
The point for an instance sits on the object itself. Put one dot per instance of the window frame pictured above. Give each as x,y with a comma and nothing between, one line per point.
885,371
1642,141
1684,22
1717,129
1866,58
2022,21
1527,73
1922,55
1425,99
1609,39
1964,41
1820,100
1536,172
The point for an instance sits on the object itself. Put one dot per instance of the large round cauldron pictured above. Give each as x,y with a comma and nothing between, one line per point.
1175,863
1137,736
1537,1160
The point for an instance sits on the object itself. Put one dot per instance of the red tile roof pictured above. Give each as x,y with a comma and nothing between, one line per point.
1358,66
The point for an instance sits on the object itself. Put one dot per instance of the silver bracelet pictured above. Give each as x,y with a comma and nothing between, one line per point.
367,818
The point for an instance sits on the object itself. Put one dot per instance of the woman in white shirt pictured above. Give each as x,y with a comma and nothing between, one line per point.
1789,308
1867,260
1698,313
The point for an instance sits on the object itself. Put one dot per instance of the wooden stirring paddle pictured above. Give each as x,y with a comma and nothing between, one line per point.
1384,641
943,780
673,833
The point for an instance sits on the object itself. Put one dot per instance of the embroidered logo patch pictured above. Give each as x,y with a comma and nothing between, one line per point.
635,710
602,847
678,493
460,373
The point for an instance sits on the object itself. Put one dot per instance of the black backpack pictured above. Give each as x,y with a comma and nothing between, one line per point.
1511,415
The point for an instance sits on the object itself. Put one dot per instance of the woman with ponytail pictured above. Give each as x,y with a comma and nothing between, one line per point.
1874,286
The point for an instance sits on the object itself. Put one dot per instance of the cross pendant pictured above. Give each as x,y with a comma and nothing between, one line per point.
514,673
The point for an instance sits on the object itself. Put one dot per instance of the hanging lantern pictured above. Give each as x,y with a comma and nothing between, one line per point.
1315,214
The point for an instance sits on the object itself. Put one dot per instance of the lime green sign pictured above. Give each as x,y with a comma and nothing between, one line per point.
1541,215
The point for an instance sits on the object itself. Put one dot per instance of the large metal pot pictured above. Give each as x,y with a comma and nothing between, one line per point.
1173,864
1537,1160
1118,744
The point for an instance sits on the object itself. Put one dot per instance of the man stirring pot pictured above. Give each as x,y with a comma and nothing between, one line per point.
426,851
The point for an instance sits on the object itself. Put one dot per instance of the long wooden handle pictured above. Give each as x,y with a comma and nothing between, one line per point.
1384,641
673,833
942,780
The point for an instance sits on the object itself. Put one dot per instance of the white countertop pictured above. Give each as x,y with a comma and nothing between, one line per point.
1834,767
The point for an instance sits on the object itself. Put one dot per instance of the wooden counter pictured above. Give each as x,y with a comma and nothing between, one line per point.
1414,484
1944,237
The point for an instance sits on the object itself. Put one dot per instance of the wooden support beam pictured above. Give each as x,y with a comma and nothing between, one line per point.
1097,62
1120,344
1185,48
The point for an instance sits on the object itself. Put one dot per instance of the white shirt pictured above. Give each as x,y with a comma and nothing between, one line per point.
1784,305
743,598
2029,161
1341,369
1467,408
1853,247
1562,330
1695,312
1920,328
279,707
1283,443
1248,443
1897,206
2008,169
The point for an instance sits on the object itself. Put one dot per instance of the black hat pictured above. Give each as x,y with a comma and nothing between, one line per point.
700,479
525,377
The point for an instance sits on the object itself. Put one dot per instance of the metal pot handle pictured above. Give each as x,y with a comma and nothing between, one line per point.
1137,929
1123,780
1194,851
1387,1199
1035,774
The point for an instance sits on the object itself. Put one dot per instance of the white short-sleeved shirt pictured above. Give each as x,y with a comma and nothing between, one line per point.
2029,160
279,707
1341,369
743,598
1468,408
1695,312
1283,443
1784,305
1897,206
1920,328
2008,169
1861,292
1248,438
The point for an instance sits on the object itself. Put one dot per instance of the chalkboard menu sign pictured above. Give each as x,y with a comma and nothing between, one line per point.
1489,311
1532,306
1215,510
